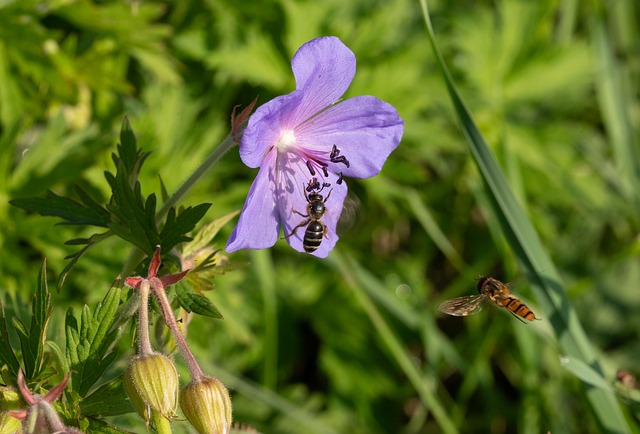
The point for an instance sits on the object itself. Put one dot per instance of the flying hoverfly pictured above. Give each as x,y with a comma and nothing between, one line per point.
489,289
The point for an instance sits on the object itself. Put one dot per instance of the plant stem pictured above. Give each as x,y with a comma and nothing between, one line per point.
207,164
162,424
144,342
170,319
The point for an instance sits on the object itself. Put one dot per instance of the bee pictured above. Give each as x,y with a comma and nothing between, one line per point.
316,229
494,290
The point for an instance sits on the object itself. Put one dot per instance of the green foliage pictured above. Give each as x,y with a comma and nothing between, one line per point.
32,338
127,215
89,349
192,302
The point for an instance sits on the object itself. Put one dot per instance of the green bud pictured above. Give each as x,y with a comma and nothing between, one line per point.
152,382
207,406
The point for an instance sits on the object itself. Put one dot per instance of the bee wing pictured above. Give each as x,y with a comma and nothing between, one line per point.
462,306
349,213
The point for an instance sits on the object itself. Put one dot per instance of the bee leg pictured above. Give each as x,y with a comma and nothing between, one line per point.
327,198
303,223
325,230
300,214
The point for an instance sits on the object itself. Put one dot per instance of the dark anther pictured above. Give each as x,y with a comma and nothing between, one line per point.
339,181
335,157
325,171
310,167
313,185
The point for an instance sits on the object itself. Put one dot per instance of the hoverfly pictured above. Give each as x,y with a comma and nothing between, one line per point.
493,290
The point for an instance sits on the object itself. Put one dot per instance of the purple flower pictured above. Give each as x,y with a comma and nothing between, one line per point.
304,143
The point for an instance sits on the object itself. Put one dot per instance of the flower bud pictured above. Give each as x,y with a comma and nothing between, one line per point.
207,406
153,383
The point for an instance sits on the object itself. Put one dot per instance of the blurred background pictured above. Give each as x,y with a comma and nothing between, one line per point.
325,346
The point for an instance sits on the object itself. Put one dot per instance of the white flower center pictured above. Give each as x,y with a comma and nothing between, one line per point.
287,141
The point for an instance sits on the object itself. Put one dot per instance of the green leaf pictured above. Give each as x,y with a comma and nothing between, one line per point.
89,343
193,302
207,233
32,341
75,213
586,373
97,426
175,228
524,241
133,219
7,356
107,400
90,242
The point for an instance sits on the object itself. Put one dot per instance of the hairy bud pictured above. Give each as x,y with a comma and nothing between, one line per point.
152,383
207,406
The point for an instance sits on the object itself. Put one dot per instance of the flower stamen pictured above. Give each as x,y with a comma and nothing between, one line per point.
312,171
335,157
314,184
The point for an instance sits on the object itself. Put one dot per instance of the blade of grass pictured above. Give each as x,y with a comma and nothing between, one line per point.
614,101
524,240
346,265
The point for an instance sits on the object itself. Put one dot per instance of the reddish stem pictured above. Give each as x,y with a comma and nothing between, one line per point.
169,318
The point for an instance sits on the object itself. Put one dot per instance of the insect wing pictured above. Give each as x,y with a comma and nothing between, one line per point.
462,306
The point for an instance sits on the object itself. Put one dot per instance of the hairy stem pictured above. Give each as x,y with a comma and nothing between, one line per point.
169,318
204,167
144,342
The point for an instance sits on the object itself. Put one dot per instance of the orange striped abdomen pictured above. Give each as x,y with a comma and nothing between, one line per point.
514,304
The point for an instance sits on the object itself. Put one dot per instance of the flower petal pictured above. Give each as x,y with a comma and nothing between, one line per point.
365,130
258,225
296,204
324,69
265,127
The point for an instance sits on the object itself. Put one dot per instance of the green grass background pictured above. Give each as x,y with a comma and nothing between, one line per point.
534,178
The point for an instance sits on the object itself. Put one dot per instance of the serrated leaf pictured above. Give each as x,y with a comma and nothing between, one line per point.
93,240
89,344
32,341
132,218
207,233
7,355
72,337
75,213
196,303
175,228
108,400
129,159
203,276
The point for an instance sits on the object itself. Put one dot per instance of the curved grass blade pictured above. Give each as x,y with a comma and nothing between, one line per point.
524,240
